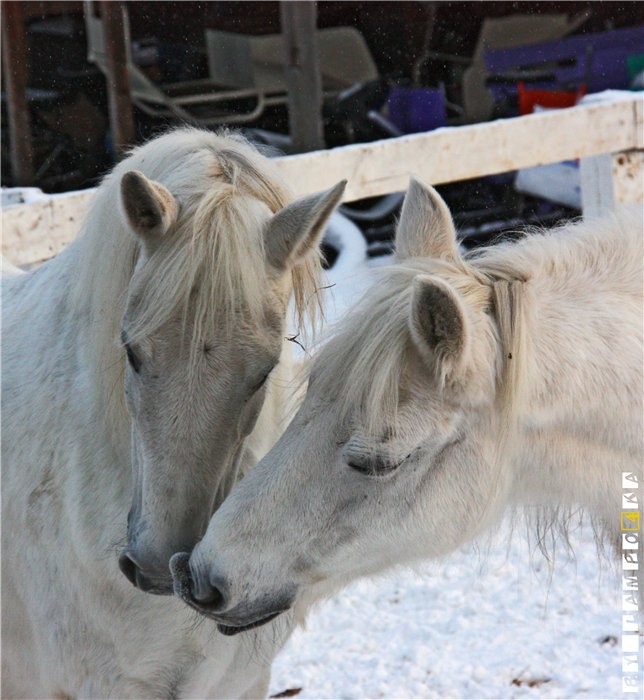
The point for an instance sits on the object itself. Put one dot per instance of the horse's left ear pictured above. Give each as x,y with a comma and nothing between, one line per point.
149,207
426,228
438,322
298,228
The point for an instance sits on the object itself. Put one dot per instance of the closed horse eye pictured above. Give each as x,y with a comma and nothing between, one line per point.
372,464
262,381
135,362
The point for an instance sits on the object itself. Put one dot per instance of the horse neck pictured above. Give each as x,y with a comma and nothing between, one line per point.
580,415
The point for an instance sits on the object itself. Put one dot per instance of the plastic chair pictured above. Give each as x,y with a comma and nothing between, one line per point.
259,62
179,100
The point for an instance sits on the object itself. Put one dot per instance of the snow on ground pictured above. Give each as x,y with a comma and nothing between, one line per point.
481,624
484,623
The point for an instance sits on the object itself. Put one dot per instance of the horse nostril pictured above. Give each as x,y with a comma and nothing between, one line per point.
197,588
128,567
210,594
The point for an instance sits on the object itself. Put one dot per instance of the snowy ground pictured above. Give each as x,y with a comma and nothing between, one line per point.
485,623
482,624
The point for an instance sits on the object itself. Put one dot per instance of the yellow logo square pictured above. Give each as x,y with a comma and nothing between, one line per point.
630,520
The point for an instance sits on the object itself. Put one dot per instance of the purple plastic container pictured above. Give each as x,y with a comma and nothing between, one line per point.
417,109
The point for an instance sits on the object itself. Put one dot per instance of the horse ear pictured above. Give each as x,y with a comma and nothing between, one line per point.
438,321
149,207
298,228
426,228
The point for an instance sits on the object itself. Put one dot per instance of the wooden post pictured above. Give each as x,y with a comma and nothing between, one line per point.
16,73
118,80
610,181
298,19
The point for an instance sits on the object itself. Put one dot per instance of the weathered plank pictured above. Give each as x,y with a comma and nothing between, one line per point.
461,153
628,177
35,231
610,181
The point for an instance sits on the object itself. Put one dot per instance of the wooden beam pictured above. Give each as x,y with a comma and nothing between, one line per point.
461,153
299,19
16,74
39,230
35,231
118,80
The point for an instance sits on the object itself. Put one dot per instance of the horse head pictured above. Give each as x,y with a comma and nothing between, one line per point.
219,248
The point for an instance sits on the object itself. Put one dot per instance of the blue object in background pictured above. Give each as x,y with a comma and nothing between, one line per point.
417,109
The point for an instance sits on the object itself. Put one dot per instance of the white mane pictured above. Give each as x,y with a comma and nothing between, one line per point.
373,340
214,257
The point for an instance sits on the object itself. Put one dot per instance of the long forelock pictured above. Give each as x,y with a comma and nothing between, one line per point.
212,269
216,261
361,366
227,190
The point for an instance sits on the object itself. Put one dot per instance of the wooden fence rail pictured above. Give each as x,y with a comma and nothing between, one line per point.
608,137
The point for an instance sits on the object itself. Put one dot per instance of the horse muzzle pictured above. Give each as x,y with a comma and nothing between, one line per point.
213,601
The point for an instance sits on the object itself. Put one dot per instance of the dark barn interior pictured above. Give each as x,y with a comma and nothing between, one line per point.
85,80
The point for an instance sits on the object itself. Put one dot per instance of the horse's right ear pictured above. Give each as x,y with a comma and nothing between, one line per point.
438,323
298,228
426,228
149,208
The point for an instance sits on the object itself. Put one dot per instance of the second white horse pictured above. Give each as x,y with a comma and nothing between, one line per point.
459,388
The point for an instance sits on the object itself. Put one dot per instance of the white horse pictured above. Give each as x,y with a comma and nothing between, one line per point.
135,368
459,388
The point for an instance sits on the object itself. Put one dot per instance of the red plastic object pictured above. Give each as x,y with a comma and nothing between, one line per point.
550,99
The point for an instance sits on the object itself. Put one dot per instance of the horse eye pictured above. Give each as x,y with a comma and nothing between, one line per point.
372,465
261,383
134,361
360,467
